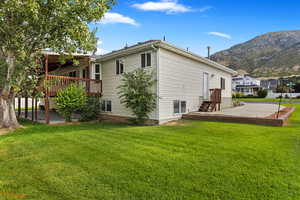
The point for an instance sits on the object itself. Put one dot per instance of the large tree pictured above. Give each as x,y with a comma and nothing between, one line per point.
29,26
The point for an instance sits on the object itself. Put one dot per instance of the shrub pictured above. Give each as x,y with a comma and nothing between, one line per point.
262,93
298,97
69,100
136,93
90,110
238,95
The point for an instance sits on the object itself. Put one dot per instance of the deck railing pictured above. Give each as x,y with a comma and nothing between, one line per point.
216,95
54,83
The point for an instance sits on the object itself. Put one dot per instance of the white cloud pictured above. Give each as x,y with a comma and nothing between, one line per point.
206,8
116,18
100,51
168,6
223,35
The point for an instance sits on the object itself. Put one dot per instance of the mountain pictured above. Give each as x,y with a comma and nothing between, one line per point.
272,54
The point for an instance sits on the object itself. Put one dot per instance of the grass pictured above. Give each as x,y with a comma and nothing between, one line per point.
271,100
191,160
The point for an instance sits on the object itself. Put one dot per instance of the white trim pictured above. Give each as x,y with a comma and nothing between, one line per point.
204,91
180,109
157,82
100,71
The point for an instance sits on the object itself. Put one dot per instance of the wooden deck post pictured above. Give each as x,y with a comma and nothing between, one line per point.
26,107
36,109
19,107
32,109
88,83
47,117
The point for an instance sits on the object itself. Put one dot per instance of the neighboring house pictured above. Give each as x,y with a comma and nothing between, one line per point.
269,84
245,84
184,79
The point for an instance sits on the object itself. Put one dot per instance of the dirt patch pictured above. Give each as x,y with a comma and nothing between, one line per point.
4,131
175,123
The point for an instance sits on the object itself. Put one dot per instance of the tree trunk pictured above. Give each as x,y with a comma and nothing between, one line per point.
7,111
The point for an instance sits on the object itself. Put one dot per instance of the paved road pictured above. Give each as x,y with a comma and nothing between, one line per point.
273,102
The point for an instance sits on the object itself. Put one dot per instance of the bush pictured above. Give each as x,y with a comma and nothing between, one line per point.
298,97
136,93
90,110
70,100
262,93
238,95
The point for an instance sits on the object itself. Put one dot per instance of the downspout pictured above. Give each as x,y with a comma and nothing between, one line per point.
157,80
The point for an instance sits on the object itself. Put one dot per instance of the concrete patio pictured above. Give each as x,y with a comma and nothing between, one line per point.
260,114
249,110
55,118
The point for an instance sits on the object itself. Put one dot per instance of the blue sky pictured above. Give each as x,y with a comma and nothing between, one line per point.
194,23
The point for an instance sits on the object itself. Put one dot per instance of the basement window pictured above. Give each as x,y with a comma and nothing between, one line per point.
179,106
106,106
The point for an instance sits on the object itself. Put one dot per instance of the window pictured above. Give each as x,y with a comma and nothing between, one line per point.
97,71
106,106
83,73
179,106
72,74
119,67
176,106
146,60
183,106
223,83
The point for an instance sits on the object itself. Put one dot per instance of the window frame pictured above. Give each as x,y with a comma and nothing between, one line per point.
180,110
145,61
120,70
95,73
72,74
105,103
223,83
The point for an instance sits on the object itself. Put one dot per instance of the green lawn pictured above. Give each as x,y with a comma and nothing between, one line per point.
274,100
190,161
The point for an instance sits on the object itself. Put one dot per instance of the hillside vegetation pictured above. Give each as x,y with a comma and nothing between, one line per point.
271,54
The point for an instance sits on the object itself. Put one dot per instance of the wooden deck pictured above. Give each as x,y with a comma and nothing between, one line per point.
55,83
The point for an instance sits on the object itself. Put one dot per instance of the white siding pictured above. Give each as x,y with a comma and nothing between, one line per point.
181,78
111,81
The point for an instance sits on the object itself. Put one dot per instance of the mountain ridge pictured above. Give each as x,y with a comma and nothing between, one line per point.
270,54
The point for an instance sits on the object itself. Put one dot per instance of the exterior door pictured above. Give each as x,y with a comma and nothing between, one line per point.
205,86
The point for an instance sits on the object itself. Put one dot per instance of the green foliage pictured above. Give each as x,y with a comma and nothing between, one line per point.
69,100
136,92
30,26
238,95
90,110
262,93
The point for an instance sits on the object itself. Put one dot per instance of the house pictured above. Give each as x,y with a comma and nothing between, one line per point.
245,84
185,81
269,84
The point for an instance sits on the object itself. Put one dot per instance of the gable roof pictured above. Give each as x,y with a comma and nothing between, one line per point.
154,44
